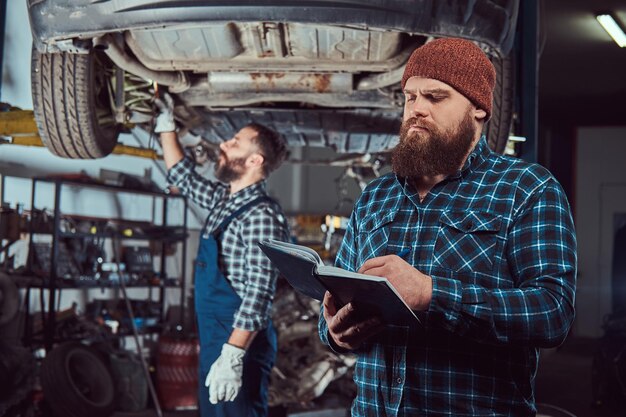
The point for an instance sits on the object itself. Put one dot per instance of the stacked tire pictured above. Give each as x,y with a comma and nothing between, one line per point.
77,382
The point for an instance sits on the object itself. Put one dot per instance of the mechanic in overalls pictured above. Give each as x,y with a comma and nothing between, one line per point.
234,281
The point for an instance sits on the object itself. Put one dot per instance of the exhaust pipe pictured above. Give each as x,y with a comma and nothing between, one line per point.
376,81
176,81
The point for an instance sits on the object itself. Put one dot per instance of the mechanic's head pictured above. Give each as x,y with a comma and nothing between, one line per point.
271,145
448,86
460,64
255,151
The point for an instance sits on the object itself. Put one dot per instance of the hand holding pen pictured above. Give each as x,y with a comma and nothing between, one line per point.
414,287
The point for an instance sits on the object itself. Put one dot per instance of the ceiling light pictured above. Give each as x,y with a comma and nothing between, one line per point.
610,25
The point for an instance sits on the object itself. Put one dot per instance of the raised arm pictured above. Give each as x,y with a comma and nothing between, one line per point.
181,170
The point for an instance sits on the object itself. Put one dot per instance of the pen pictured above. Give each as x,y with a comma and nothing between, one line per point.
404,252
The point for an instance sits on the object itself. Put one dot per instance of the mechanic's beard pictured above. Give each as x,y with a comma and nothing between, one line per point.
433,152
229,170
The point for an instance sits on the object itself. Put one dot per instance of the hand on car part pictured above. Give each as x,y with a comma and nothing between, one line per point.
348,326
224,377
415,287
165,119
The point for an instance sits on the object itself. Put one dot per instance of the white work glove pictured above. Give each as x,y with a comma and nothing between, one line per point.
165,119
224,378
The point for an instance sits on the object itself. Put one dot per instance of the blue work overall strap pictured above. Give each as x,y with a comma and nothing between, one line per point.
222,226
216,304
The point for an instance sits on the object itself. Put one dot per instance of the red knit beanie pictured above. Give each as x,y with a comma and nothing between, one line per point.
458,63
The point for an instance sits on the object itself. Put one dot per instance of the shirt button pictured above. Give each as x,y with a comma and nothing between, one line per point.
399,380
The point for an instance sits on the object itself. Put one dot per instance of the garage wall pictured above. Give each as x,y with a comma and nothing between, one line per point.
313,189
600,206
16,56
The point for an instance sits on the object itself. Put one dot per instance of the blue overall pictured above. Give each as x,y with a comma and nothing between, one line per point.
216,303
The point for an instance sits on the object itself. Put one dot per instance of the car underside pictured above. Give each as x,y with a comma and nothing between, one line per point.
321,73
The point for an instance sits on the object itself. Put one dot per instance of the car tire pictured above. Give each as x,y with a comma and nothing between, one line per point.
72,105
498,128
76,382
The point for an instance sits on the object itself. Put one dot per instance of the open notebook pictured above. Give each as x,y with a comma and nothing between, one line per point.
303,268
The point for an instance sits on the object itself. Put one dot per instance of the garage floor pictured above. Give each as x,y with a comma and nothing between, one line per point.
564,380
563,383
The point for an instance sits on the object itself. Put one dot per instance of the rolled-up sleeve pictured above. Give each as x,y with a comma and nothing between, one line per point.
199,189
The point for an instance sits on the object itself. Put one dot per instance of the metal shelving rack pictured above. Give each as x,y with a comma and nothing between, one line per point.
53,283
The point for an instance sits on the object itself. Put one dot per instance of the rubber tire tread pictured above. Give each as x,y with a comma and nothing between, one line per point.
64,106
59,390
498,128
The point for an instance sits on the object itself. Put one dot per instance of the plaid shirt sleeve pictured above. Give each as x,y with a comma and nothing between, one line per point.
263,222
541,253
194,186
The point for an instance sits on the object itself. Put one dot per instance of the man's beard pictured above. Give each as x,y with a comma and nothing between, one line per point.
229,170
433,152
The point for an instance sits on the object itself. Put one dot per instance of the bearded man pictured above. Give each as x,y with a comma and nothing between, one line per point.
491,264
234,282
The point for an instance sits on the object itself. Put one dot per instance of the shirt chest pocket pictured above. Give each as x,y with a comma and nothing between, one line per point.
466,241
373,236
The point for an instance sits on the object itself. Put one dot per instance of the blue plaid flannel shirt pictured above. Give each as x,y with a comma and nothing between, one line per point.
245,266
498,240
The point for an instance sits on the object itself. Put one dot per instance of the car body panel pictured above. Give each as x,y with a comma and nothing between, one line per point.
267,46
486,21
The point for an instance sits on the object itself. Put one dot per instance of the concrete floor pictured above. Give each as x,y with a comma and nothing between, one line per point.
563,387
